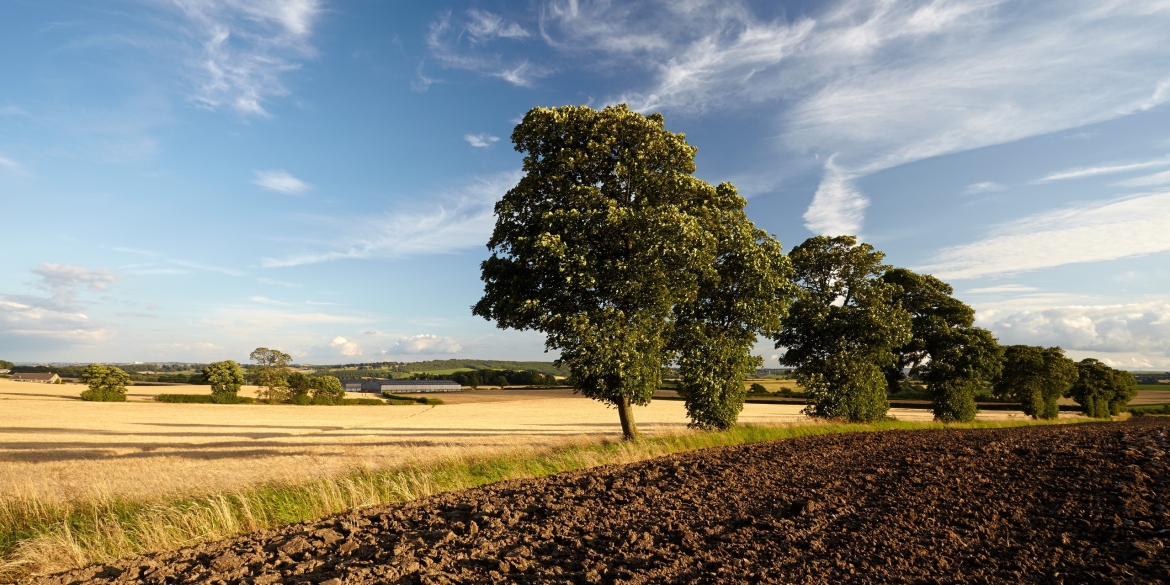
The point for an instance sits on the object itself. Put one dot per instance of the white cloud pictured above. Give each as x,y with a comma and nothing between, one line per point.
462,219
59,316
984,187
337,347
244,47
11,110
1082,172
424,344
60,277
837,208
1001,288
1134,332
281,182
484,26
279,283
1086,233
481,140
1162,178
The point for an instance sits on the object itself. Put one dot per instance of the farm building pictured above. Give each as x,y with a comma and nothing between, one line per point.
42,378
400,386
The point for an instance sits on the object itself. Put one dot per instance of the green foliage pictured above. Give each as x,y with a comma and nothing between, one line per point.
6,365
954,358
842,328
271,372
596,244
742,293
476,378
396,399
1101,390
1036,377
306,390
106,383
757,388
225,378
222,398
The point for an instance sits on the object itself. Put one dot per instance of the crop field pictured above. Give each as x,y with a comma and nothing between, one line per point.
57,447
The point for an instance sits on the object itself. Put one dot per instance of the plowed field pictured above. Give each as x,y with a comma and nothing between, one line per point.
1072,503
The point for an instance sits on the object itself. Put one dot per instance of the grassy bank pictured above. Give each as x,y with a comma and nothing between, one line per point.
40,537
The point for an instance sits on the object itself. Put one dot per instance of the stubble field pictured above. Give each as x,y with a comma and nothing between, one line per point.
58,448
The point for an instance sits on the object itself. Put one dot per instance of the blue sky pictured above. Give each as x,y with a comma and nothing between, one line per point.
187,180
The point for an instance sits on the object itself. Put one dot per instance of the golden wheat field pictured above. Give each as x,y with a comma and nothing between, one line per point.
56,447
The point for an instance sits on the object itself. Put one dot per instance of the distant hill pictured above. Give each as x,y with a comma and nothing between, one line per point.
370,369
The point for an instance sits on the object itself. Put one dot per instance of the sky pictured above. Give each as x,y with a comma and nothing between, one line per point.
186,180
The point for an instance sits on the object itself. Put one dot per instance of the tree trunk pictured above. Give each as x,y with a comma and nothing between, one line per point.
626,414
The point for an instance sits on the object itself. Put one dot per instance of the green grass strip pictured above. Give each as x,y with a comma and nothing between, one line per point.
38,537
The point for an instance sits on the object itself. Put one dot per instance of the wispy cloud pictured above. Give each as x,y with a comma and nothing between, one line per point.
1001,288
243,48
984,72
465,45
837,207
1162,178
58,316
279,283
1083,172
281,182
9,164
481,140
11,110
984,187
1085,233
462,219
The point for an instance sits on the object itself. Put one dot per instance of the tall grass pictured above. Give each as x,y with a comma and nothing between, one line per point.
41,537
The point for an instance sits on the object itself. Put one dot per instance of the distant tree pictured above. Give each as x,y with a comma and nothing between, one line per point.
6,365
1036,377
225,378
106,383
841,330
757,388
271,373
327,389
596,244
953,357
742,293
1101,390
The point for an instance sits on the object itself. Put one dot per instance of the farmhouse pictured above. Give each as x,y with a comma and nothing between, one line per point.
400,386
42,378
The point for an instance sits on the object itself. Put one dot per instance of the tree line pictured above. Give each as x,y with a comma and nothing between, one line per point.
489,377
628,264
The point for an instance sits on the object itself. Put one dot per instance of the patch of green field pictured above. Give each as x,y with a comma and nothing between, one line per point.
447,371
1162,387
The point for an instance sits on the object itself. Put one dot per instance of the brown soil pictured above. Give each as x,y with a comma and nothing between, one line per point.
1076,504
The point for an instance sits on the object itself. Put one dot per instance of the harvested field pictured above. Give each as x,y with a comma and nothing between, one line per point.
55,448
1066,503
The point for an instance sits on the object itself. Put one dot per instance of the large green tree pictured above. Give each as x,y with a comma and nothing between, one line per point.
106,383
1036,377
597,244
225,379
1101,390
954,357
842,328
743,293
271,373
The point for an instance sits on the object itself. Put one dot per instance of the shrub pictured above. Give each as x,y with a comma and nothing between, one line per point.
404,400
757,388
203,399
106,383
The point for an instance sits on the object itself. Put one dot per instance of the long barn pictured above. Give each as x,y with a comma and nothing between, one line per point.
400,386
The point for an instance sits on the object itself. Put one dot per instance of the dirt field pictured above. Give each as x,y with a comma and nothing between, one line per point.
1058,504
56,447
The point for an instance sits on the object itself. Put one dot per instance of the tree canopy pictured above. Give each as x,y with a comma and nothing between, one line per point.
1101,390
106,383
951,355
271,373
742,294
603,236
1036,377
842,327
225,378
